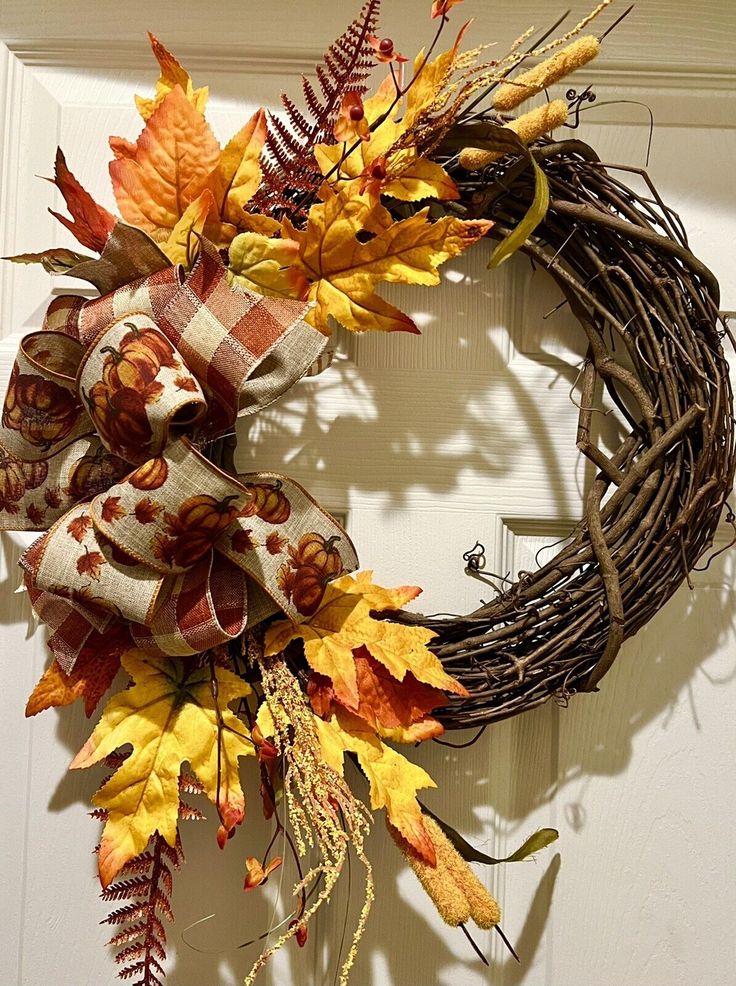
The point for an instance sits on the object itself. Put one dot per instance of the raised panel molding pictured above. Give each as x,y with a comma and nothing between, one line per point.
675,93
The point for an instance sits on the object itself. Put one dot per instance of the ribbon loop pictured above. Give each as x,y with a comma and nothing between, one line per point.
160,515
136,387
42,413
204,607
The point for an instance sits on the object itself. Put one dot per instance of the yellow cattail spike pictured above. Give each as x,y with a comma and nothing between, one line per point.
551,70
451,885
451,903
528,127
484,910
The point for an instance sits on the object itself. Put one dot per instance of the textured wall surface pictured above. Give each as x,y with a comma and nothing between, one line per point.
429,443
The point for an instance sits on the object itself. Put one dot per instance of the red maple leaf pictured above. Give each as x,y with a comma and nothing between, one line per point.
78,527
147,510
383,701
111,509
90,223
35,514
90,563
242,541
52,496
275,543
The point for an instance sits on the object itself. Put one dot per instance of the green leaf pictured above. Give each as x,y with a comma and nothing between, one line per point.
494,137
535,214
539,840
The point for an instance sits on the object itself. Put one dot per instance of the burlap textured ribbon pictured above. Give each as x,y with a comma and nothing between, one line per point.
174,554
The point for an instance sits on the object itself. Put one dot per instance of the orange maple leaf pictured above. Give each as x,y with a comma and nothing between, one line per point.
79,526
242,541
90,223
89,679
275,543
384,703
167,168
90,563
111,509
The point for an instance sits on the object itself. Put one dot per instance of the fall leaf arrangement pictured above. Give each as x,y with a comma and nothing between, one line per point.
231,602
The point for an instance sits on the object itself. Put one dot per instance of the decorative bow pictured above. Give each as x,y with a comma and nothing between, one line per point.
176,555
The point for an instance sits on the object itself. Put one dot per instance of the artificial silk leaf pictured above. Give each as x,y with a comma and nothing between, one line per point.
430,79
254,222
239,170
58,260
378,597
264,265
344,271
328,640
168,715
394,780
183,243
407,176
169,166
536,842
89,679
343,623
384,703
90,223
172,74
532,218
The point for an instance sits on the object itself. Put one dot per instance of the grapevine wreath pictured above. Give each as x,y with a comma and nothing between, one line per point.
231,602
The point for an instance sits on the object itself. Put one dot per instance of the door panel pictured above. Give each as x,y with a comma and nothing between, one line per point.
430,444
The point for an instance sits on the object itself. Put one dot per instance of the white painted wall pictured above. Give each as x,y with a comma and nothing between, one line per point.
430,443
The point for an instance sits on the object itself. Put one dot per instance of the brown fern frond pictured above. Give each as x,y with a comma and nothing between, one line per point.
289,164
189,813
139,864
142,943
188,784
126,889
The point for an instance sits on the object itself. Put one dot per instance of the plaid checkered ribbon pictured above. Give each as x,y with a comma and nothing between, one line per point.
146,540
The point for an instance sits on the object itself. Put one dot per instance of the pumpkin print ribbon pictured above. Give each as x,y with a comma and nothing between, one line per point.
146,540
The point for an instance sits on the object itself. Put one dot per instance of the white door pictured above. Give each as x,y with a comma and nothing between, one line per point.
429,444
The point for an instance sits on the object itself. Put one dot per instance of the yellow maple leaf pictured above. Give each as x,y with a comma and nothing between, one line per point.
431,79
343,622
171,164
409,176
239,171
394,780
172,74
328,640
344,271
264,264
168,716
182,244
